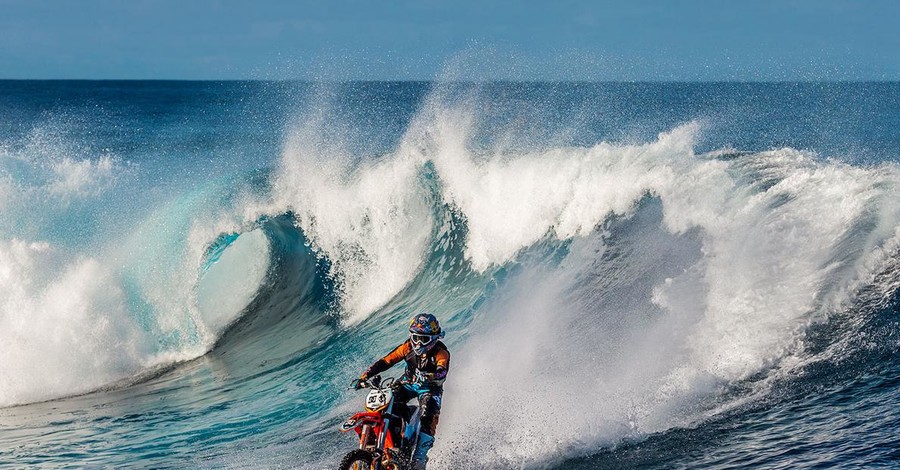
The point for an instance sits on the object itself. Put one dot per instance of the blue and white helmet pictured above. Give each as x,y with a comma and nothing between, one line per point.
424,332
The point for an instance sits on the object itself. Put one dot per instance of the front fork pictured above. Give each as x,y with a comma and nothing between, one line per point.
364,436
379,448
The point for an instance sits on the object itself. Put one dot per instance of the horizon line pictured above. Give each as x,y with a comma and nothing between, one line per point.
489,81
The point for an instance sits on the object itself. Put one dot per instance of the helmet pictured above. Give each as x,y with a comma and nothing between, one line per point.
424,331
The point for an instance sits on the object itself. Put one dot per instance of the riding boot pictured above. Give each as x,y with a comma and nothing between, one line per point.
420,455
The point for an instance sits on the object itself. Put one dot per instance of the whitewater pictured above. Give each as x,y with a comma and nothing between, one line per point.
657,275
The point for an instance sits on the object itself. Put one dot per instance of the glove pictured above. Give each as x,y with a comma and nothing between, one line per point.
358,383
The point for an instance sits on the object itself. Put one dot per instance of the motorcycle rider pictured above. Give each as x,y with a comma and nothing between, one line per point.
427,363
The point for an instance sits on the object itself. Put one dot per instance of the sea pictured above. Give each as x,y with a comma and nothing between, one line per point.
653,275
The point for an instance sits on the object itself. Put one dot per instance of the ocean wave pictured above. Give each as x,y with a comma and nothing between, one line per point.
614,289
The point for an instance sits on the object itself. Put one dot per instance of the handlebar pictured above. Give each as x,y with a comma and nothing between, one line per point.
376,382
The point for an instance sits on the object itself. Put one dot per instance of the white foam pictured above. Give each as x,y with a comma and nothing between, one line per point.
64,324
374,223
510,202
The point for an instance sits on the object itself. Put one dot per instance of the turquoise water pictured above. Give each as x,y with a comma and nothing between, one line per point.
631,275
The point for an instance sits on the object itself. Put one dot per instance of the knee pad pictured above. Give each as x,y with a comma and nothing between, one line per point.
431,412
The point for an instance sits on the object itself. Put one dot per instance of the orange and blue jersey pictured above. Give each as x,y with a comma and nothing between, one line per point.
432,367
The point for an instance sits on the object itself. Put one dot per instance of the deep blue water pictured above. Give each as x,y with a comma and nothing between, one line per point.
632,275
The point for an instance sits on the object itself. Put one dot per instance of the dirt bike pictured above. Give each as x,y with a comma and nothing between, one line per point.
388,434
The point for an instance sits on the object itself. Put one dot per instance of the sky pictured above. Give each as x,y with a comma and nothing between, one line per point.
634,40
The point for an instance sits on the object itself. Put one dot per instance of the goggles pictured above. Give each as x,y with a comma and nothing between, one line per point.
419,340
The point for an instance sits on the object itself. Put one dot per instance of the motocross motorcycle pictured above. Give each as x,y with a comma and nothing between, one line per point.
388,431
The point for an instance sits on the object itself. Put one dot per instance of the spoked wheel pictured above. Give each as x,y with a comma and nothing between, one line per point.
359,459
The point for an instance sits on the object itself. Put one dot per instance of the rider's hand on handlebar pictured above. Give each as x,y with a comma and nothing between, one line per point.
402,381
358,383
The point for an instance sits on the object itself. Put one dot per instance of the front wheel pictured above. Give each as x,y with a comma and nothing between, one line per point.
358,459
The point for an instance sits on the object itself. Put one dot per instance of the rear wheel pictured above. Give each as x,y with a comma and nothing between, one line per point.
358,459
